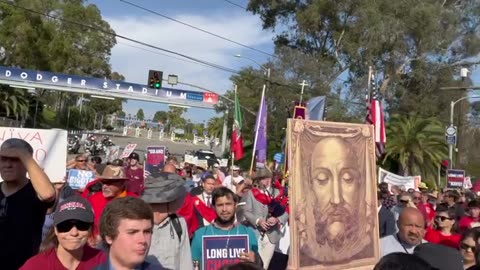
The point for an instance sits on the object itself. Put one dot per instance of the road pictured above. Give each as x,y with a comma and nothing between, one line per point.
176,148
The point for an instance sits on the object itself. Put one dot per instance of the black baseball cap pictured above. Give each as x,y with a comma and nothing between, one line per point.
134,156
73,208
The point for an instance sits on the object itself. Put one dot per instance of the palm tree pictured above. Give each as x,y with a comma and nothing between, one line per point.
14,102
417,144
215,126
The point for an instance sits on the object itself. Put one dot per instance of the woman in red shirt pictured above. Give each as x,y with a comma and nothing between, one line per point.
444,232
470,221
66,246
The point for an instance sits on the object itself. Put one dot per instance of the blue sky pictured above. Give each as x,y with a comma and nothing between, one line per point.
217,16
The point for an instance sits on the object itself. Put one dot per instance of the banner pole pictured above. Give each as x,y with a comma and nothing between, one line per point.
256,129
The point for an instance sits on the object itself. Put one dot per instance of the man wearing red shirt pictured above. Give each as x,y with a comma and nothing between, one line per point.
470,221
113,186
135,174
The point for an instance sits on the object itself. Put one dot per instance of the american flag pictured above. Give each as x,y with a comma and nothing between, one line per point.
376,118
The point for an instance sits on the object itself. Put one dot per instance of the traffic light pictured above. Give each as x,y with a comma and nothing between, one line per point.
444,167
155,79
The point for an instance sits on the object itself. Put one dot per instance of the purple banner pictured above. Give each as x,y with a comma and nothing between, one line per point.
261,128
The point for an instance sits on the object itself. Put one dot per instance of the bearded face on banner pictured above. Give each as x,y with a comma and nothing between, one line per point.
332,214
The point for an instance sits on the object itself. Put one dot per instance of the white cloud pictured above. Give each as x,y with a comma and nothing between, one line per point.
134,63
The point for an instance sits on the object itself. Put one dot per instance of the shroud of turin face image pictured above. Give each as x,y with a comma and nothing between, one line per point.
333,194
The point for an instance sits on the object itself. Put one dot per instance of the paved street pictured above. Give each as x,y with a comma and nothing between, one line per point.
176,148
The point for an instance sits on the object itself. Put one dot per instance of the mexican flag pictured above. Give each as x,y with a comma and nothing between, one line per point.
237,140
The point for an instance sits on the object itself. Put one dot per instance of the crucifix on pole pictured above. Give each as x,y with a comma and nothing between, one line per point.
303,84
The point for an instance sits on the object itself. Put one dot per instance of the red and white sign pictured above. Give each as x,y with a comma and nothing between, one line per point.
455,178
210,98
49,148
128,150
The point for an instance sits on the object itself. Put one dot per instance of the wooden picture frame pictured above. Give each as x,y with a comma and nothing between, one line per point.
333,199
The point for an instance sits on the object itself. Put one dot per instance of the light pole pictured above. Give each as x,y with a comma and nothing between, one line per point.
266,70
452,108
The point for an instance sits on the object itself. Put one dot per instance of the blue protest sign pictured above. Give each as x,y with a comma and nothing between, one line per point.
79,178
220,250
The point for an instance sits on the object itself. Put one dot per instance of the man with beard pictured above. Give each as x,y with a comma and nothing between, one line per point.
224,203
339,232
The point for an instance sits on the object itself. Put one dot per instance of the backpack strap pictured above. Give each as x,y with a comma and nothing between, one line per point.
176,225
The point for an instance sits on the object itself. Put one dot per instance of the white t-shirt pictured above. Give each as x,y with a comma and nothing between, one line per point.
391,244
228,182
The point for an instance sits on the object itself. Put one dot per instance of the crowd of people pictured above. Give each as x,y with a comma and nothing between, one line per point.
125,219
422,229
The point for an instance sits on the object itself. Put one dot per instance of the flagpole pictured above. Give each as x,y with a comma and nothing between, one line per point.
232,154
257,128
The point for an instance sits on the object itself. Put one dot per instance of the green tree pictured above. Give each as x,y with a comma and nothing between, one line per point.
140,115
416,144
175,117
13,102
215,126
160,116
30,40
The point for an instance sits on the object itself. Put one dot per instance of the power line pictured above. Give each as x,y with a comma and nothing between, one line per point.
123,37
199,29
164,54
235,4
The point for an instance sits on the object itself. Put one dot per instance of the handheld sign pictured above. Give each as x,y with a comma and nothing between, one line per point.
155,158
79,178
455,178
128,150
49,147
220,250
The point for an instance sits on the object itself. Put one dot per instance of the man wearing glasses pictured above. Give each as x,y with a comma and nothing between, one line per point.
23,203
113,180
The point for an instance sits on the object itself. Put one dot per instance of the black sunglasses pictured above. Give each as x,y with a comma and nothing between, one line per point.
66,226
467,247
404,201
443,218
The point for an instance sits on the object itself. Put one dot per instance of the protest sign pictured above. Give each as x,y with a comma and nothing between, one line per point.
128,150
392,179
112,153
202,163
190,159
467,184
223,162
155,159
79,178
49,148
455,178
220,250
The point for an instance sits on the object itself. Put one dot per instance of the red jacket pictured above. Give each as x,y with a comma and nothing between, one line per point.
99,202
189,210
466,223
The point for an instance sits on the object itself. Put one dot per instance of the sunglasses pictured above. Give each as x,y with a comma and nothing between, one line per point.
110,182
82,160
404,201
441,218
66,226
467,247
